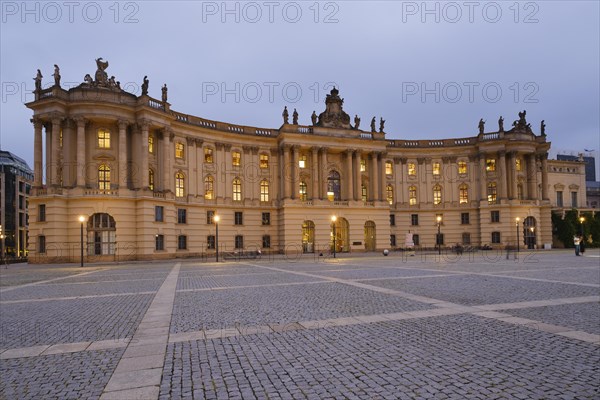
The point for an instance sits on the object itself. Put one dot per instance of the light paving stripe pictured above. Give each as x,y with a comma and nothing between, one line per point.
251,286
8,289
139,371
92,296
539,303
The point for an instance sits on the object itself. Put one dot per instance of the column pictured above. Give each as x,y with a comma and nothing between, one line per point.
374,191
482,178
166,164
357,177
55,167
531,189
219,173
198,167
275,190
545,176
256,178
314,161
81,162
427,172
349,176
382,177
228,166
123,154
286,171
192,175
69,141
323,180
294,172
48,156
37,152
513,174
502,181
248,181
534,183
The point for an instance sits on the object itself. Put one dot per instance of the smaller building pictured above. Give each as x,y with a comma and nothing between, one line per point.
567,184
15,185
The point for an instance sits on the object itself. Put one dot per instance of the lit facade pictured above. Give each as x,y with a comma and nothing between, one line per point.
149,180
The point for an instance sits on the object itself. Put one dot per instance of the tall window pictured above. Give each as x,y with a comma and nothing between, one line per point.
463,194
496,237
159,212
151,179
518,164
41,244
181,216
237,189
179,185
363,165
520,191
210,217
363,192
333,186
462,167
464,218
495,216
264,190
264,161
209,187
104,177
210,242
239,242
42,213
559,198
389,168
159,242
302,191
491,192
208,155
412,169
574,199
238,218
414,219
266,241
412,195
466,238
236,158
392,219
151,144
437,194
302,161
181,242
490,164
437,169
266,218
389,194
179,150
103,139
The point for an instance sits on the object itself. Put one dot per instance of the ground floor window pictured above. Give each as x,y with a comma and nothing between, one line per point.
210,242
266,242
181,242
101,233
239,242
159,242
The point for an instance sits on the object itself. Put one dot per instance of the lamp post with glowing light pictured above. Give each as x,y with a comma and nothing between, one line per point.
81,221
517,224
333,219
438,239
216,219
581,221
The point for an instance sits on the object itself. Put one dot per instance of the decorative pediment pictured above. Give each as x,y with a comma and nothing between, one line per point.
559,186
574,187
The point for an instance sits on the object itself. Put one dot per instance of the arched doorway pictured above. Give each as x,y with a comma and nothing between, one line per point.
530,233
370,236
342,233
308,237
101,234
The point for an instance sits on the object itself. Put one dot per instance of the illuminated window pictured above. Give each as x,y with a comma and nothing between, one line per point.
264,161
104,177
412,169
437,168
103,139
462,167
302,162
150,179
463,194
179,185
389,168
60,139
151,144
490,164
389,194
302,191
237,189
209,187
412,195
491,192
437,194
264,190
236,158
208,155
363,192
363,165
179,150
518,164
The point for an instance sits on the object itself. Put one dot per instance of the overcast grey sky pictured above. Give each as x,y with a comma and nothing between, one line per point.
431,70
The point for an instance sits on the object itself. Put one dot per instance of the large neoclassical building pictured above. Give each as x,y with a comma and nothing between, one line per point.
148,181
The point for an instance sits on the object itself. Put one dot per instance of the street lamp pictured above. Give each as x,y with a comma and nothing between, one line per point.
333,219
438,239
581,221
517,224
216,219
81,220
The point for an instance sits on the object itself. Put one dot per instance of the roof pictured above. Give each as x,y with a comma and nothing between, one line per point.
9,159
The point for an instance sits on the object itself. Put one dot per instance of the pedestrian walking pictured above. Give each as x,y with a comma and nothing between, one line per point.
577,242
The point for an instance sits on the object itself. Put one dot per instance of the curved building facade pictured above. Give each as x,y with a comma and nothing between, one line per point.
149,180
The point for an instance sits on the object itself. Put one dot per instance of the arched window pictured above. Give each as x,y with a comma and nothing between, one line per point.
179,185
491,192
101,231
463,194
389,194
150,179
237,189
103,139
333,186
209,187
437,194
302,191
104,177
412,195
264,190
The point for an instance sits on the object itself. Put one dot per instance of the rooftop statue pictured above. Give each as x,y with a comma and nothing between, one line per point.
334,115
285,115
56,75
481,126
373,125
313,118
356,121
164,93
295,117
101,75
543,128
38,81
501,124
381,124
145,84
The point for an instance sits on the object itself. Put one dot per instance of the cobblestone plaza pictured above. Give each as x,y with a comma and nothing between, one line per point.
362,327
